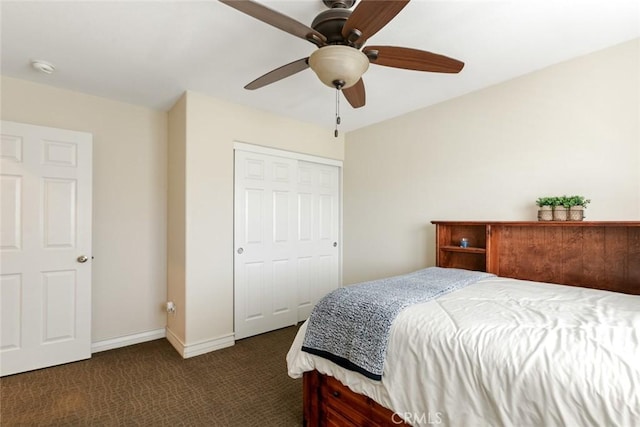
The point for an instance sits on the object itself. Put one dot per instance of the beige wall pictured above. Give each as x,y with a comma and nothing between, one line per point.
208,129
176,219
573,128
129,199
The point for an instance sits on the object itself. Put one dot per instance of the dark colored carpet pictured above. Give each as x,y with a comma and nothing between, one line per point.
150,384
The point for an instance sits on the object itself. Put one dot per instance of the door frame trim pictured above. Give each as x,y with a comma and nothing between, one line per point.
261,149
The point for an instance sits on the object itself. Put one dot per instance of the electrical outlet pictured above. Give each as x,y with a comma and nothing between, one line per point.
171,307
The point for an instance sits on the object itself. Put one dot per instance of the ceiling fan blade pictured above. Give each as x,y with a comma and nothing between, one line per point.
412,59
369,17
277,19
355,94
279,74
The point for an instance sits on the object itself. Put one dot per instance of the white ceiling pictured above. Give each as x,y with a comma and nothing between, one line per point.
150,52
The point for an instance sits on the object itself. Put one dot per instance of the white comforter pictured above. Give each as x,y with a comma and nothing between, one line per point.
506,352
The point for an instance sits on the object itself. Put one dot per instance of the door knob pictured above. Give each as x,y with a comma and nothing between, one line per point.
240,250
82,259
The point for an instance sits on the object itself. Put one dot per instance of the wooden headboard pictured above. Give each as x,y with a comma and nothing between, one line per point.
601,254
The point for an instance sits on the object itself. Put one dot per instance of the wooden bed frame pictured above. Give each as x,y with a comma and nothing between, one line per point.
329,403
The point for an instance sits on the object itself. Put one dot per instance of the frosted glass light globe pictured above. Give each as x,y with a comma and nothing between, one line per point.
338,63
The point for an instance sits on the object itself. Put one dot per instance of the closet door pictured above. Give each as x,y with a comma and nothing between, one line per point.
318,219
287,216
265,212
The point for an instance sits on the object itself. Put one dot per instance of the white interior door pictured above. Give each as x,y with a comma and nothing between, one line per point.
264,232
318,219
45,284
286,239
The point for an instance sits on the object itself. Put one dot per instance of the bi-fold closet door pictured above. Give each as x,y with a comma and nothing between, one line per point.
286,233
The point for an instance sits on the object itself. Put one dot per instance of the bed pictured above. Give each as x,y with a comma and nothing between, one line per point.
501,352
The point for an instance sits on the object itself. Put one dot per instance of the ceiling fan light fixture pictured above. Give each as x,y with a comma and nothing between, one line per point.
338,63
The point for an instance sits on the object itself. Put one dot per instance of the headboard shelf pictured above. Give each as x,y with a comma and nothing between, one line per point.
593,254
546,223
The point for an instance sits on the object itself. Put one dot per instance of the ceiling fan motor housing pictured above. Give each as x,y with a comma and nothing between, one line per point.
330,22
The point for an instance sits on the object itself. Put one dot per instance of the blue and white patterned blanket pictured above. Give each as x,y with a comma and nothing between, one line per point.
350,326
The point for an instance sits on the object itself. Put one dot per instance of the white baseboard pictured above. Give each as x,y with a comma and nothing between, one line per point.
127,340
201,347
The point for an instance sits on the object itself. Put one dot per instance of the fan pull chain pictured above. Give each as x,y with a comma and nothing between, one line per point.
335,133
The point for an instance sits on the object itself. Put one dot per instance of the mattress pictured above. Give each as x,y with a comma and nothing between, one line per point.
506,352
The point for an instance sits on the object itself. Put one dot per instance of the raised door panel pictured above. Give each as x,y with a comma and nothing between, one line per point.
11,218
306,284
11,315
59,213
58,305
254,290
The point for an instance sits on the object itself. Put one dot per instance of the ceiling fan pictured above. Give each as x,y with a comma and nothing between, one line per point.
339,34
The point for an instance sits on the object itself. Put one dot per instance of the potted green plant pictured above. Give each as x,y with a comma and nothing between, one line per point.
545,213
577,205
560,208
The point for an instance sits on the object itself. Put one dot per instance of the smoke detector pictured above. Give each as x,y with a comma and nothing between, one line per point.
43,66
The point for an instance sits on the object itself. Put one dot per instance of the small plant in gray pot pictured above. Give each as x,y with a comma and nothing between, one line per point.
545,211
577,205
